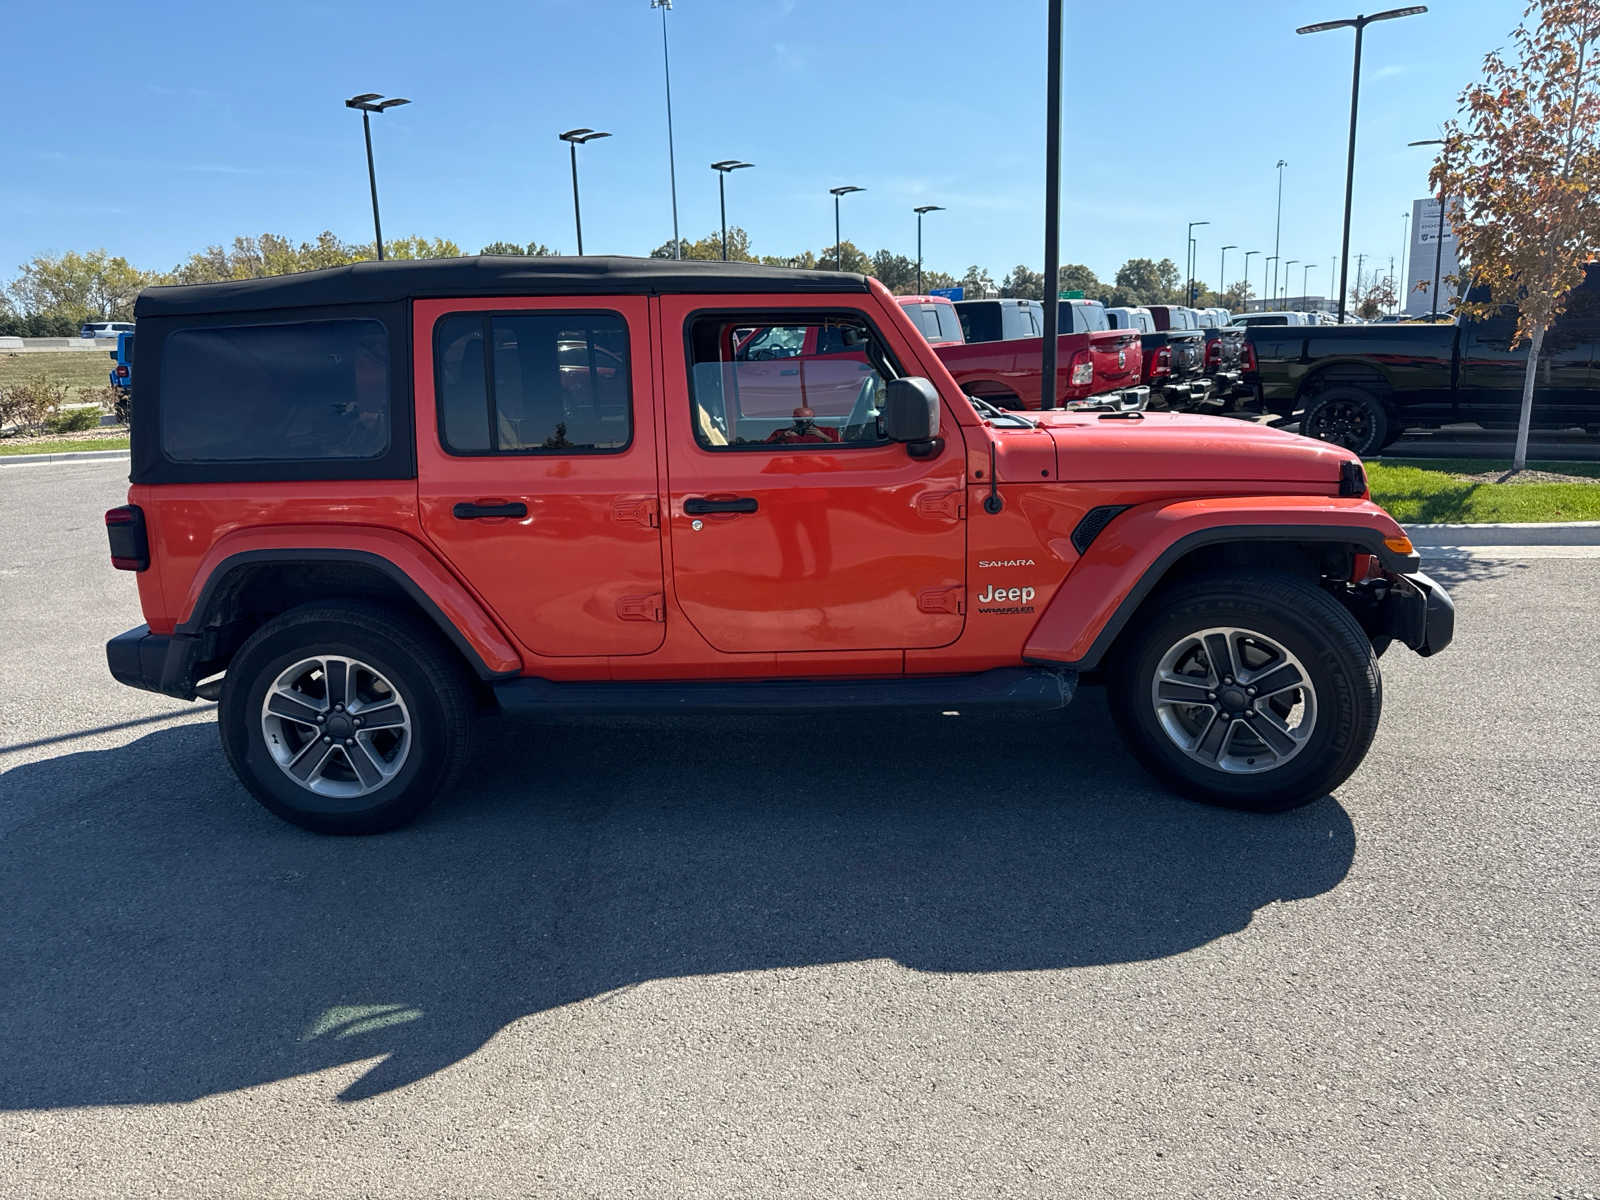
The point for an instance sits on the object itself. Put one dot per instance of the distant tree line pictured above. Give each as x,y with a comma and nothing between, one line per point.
54,294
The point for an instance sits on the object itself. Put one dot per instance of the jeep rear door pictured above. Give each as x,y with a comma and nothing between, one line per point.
536,465
806,531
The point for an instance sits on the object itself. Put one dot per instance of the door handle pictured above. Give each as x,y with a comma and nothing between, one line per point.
789,371
474,512
697,506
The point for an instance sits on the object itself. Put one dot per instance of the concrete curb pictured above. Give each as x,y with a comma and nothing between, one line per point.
22,460
1532,533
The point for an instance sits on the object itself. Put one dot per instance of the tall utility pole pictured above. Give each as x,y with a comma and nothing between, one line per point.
672,162
1359,23
369,103
1391,282
575,138
1277,232
1049,355
1361,260
722,168
921,210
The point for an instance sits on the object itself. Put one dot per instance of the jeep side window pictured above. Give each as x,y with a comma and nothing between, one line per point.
293,391
827,397
533,383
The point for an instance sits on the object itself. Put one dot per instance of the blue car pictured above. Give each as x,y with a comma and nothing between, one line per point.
122,374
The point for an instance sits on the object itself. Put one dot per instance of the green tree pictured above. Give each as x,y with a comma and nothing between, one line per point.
896,272
1236,297
531,250
976,283
855,259
937,279
78,287
419,247
1021,283
1077,277
1152,282
805,261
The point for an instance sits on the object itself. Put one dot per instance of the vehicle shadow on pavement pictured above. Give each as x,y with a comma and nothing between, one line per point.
166,939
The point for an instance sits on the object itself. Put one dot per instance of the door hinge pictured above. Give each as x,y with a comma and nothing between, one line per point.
642,608
640,511
943,600
952,505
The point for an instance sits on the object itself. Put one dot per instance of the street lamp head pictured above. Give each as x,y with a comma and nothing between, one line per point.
729,164
928,208
579,136
666,4
845,191
1361,21
365,102
1231,246
1428,142
1282,162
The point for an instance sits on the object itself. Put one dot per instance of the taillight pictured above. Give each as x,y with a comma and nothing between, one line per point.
1082,369
122,370
1214,354
130,547
1248,357
1162,363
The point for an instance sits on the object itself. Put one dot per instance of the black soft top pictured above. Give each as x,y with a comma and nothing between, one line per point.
486,275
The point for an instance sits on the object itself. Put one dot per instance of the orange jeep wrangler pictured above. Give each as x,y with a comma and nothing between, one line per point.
368,502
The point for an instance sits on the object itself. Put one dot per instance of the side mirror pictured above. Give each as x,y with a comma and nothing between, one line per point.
911,411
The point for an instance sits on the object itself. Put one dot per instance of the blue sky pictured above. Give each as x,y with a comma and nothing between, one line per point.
155,130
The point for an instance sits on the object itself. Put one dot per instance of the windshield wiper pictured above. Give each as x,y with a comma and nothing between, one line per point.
993,413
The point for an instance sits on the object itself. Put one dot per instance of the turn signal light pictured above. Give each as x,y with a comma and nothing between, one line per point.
1400,545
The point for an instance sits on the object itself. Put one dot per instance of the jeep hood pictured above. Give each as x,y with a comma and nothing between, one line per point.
1184,446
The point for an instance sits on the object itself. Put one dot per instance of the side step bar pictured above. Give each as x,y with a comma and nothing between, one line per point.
1008,689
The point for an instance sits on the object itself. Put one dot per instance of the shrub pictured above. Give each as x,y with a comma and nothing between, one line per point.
30,405
74,420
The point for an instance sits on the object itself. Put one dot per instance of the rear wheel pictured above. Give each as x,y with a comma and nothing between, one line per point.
1250,690
342,718
1349,417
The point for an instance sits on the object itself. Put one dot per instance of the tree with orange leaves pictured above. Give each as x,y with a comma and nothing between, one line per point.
1521,166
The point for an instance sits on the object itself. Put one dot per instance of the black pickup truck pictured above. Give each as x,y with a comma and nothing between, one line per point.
1188,386
1362,386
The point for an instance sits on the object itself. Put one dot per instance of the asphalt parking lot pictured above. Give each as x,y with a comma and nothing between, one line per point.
771,958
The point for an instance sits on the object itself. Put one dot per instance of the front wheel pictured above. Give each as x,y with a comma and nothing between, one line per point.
1349,417
343,718
1250,690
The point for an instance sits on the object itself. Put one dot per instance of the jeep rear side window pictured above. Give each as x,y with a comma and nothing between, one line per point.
796,380
295,391
558,383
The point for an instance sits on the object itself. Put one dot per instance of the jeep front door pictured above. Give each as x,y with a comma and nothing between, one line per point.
795,524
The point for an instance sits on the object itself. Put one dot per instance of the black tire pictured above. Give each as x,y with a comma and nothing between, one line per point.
427,676
1301,618
1351,417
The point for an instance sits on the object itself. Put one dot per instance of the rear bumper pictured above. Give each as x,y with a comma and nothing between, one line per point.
153,662
1419,613
1133,399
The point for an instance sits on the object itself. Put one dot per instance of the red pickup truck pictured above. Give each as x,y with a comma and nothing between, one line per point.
1099,367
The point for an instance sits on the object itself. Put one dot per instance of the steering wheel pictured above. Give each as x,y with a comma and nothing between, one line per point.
862,426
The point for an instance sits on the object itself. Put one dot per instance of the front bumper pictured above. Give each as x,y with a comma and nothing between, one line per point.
1418,612
154,662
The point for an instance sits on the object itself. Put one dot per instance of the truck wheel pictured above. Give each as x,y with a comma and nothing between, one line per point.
1251,690
342,718
1348,417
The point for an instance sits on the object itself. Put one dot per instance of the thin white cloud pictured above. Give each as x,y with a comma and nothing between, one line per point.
1392,71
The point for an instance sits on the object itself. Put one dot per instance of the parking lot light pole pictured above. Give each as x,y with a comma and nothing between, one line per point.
1277,231
1305,284
369,103
672,160
1247,255
575,138
920,210
1434,284
1188,292
722,168
1222,268
1265,263
1050,345
1291,262
838,242
1359,23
